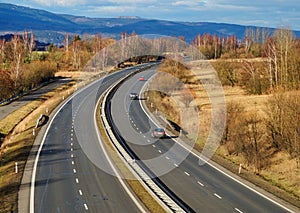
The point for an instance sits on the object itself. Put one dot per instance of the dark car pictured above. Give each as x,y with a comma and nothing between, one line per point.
133,96
158,133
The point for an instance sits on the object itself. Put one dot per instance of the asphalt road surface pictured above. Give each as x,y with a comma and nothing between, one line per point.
22,101
67,177
203,188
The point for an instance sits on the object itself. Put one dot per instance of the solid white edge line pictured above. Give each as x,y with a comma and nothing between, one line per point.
32,184
192,152
31,205
112,165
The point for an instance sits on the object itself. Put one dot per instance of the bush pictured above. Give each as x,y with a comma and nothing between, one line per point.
38,72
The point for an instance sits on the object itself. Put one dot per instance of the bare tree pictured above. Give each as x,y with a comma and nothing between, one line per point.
18,54
2,50
284,122
76,48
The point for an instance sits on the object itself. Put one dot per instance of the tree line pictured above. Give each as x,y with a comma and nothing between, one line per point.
23,68
258,135
260,63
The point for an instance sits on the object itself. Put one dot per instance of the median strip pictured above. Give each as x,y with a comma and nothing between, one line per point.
151,187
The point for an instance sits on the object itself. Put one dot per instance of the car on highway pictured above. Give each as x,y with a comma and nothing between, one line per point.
158,133
133,96
142,78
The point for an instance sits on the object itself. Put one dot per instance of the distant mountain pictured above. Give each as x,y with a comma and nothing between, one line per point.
50,27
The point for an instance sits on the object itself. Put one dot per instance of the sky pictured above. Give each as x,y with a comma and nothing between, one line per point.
266,13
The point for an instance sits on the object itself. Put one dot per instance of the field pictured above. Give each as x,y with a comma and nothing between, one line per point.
281,176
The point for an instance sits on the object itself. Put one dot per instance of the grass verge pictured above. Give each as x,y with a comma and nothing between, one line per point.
18,129
149,202
163,104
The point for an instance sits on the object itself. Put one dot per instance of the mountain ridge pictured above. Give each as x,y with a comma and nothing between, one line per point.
44,24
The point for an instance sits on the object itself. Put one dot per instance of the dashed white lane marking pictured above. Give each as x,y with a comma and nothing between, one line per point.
71,144
148,141
71,149
187,173
77,181
137,128
167,158
159,151
72,130
153,145
201,184
141,132
80,192
72,155
72,134
218,196
71,139
72,162
236,209
86,207
74,170
175,165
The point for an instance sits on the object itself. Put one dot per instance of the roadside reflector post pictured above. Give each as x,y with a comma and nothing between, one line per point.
33,132
240,168
16,167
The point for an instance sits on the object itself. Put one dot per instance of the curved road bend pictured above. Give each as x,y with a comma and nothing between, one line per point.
66,180
203,188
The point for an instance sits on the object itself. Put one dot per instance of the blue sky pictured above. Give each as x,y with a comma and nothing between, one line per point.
270,13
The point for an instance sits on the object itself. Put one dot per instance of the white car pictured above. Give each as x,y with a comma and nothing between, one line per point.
133,96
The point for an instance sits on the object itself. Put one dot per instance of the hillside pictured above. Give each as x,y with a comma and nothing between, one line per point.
50,27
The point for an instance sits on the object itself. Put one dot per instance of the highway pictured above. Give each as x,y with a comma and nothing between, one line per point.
67,178
203,188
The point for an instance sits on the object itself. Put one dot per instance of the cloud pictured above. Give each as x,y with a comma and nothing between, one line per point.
62,3
113,9
184,3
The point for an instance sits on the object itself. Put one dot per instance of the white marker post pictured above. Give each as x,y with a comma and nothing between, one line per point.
33,132
240,168
16,167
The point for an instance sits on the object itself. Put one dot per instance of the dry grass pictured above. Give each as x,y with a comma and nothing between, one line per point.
149,202
16,147
282,177
18,128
